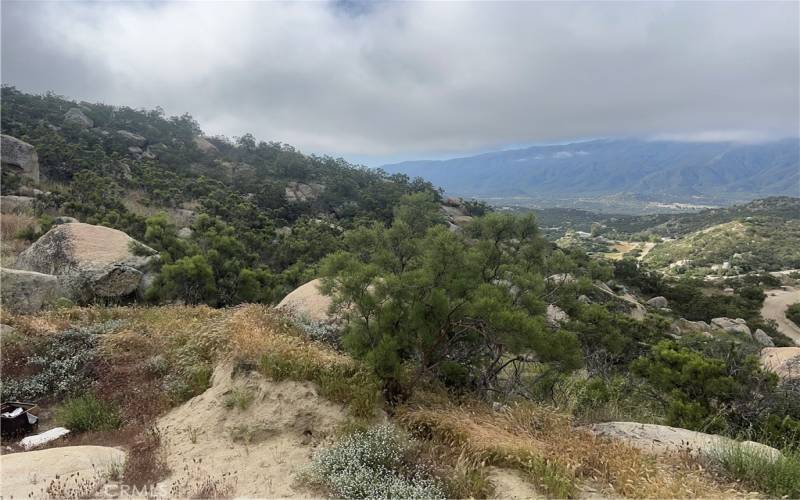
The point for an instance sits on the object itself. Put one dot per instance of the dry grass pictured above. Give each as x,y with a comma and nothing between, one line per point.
10,245
558,459
135,201
267,340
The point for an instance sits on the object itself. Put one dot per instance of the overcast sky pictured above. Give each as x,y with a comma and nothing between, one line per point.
386,81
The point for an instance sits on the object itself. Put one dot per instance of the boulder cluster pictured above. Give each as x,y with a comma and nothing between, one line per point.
79,262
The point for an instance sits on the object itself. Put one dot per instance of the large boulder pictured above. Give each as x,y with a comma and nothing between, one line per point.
75,116
26,291
658,302
301,192
204,145
16,204
734,326
684,326
308,302
131,138
762,338
90,261
19,157
783,361
663,440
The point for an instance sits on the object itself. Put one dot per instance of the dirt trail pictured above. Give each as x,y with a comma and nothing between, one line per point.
646,247
775,308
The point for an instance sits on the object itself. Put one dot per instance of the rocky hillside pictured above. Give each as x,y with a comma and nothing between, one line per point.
254,217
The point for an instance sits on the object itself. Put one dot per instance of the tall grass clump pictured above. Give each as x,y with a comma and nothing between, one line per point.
88,413
273,345
376,463
776,476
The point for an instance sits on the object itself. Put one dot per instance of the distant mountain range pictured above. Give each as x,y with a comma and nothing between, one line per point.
717,172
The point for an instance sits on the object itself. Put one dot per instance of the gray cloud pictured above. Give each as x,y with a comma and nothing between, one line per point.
423,78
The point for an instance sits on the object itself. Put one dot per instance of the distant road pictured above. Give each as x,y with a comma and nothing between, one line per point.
775,308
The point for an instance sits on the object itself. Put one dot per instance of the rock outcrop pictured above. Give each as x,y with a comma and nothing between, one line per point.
19,156
762,338
455,213
131,138
658,302
26,291
308,302
783,361
16,204
734,326
301,192
204,145
555,316
75,116
662,439
684,326
90,261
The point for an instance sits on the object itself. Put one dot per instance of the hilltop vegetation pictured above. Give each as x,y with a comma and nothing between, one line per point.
482,343
149,175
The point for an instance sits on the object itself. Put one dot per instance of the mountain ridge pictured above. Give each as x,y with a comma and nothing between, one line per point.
656,170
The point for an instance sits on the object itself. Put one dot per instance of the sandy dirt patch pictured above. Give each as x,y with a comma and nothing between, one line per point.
511,484
260,446
783,361
31,472
775,306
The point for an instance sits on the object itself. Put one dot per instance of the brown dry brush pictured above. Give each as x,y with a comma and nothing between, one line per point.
557,457
146,464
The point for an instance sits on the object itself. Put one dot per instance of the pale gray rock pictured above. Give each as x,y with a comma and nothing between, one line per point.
131,138
90,261
734,326
75,116
16,204
556,316
30,191
26,291
658,302
562,279
185,233
64,220
664,440
19,157
301,192
762,338
204,145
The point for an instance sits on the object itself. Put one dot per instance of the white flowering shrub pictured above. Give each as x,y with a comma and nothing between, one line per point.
377,463
59,364
327,333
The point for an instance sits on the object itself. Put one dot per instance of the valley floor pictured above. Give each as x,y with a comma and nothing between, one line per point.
775,305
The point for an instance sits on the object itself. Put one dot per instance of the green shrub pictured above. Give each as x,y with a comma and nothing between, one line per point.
239,397
793,313
377,463
776,477
58,364
87,413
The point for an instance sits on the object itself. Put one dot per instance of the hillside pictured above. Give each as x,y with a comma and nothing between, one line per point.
695,173
259,214
189,316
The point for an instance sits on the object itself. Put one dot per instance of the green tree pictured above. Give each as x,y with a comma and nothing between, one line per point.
419,294
189,279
